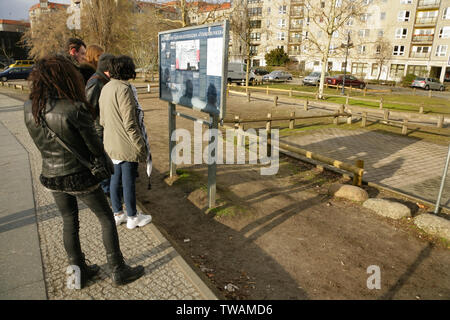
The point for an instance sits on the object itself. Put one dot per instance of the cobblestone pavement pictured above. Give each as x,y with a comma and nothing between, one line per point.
400,163
167,276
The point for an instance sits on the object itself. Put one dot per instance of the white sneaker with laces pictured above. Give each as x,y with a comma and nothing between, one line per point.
120,218
139,220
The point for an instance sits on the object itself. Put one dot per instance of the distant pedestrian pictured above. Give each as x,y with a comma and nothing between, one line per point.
93,88
89,66
60,122
123,140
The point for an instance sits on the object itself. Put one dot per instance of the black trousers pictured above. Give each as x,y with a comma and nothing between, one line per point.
96,201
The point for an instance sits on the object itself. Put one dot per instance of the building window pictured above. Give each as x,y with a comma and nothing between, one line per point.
398,51
405,1
403,15
364,33
255,36
419,71
374,69
441,50
359,69
281,36
397,70
255,24
282,23
446,15
401,33
282,9
444,33
362,49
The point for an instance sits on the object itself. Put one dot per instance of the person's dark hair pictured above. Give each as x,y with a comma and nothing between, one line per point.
75,43
122,68
55,77
104,62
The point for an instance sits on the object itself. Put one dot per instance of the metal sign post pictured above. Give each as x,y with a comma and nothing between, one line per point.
444,176
193,73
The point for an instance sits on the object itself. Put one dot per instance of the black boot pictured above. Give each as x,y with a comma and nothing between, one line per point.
86,272
121,273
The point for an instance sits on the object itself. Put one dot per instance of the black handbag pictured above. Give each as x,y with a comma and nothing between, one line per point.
100,168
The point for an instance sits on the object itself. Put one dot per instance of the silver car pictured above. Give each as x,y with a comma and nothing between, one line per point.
277,75
313,78
428,84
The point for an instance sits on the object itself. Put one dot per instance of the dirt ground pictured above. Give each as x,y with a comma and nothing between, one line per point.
282,236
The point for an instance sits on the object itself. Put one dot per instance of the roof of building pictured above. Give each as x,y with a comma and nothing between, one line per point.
15,22
51,5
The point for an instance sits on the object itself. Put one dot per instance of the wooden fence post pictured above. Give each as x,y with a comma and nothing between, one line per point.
381,103
386,115
414,91
290,92
440,121
306,104
267,90
429,93
292,121
421,108
364,119
248,96
405,126
275,101
269,130
357,178
341,108
347,99
365,91
349,119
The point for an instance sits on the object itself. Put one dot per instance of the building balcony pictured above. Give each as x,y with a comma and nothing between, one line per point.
426,21
419,54
428,4
422,37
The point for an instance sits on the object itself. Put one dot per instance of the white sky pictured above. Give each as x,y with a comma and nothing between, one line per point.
18,9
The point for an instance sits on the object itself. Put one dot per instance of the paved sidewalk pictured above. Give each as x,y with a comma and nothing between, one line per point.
167,275
399,163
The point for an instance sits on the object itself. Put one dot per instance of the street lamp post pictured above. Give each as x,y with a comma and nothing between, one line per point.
346,57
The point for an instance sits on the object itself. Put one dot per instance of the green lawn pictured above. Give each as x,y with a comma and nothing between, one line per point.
390,101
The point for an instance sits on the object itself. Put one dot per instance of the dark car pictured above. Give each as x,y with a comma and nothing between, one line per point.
349,81
260,71
15,73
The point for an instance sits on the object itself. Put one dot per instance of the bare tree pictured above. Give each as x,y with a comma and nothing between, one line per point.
327,23
383,54
48,34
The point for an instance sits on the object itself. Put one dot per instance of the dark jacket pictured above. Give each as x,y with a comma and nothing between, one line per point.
93,88
73,124
86,70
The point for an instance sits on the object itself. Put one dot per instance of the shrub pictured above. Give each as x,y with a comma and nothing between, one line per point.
277,57
408,79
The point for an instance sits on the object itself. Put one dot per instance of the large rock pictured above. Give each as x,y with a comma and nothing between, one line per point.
433,225
388,208
348,192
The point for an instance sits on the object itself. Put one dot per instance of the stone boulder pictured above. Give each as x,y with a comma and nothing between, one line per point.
388,208
434,225
349,192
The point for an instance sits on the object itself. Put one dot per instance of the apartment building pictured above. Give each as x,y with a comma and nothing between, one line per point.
415,32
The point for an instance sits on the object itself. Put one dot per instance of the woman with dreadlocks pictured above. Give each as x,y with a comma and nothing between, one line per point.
61,124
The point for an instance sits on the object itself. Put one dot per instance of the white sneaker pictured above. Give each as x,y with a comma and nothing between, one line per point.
139,220
120,218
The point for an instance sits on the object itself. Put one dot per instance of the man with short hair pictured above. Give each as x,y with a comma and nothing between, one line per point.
94,87
76,50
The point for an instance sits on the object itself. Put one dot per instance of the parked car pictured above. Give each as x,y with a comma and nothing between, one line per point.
15,73
349,81
313,78
237,72
277,75
260,71
427,84
22,63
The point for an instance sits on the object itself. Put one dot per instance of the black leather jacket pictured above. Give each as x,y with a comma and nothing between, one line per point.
94,87
73,124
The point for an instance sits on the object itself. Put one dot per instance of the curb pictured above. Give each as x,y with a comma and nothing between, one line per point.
198,279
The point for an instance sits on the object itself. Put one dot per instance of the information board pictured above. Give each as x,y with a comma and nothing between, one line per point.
192,67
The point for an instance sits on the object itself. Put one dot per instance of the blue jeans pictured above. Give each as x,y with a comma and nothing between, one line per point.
125,172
